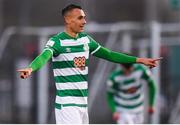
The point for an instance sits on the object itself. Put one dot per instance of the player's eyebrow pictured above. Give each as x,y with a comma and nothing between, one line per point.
80,17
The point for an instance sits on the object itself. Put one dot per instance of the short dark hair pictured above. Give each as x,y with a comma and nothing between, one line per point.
69,8
127,65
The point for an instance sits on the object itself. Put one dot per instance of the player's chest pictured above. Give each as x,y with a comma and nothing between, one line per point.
74,46
133,78
74,49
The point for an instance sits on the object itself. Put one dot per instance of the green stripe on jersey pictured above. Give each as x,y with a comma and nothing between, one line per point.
65,64
59,106
72,49
131,98
71,78
126,90
129,106
129,81
72,92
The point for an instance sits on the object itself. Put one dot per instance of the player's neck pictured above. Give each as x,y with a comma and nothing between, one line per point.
70,33
128,71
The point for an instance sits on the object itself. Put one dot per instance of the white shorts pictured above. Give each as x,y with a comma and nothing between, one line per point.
72,115
130,118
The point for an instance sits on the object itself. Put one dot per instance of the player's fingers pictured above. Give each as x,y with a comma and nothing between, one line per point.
152,65
24,72
21,70
24,75
157,59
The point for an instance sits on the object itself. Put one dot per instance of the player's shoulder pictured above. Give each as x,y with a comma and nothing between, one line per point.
83,34
144,69
140,67
56,37
116,72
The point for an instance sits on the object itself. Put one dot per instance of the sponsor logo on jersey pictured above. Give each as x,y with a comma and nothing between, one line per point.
80,62
132,90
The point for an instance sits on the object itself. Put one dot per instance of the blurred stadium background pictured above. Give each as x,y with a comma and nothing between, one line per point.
146,28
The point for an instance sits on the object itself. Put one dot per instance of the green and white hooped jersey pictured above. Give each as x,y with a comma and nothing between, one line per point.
70,66
127,89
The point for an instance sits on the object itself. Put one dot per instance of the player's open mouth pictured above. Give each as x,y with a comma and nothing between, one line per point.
81,27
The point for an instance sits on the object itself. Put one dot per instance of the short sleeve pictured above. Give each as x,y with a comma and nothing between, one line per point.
54,46
93,45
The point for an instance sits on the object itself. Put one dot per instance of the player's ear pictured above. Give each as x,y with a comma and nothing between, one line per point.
67,19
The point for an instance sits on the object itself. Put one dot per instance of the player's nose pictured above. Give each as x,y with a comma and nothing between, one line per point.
84,21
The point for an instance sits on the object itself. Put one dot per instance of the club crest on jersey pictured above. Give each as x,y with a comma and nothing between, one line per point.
80,62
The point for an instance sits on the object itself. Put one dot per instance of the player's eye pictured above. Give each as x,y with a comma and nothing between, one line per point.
81,17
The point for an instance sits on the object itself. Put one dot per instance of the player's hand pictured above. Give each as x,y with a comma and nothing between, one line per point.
149,61
24,73
150,110
116,116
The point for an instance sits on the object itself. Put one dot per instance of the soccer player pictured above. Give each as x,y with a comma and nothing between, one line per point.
125,93
70,52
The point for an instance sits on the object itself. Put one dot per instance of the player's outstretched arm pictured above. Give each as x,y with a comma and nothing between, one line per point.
115,57
36,64
149,61
123,58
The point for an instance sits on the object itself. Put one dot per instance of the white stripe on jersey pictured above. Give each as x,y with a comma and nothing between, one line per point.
129,102
70,56
72,42
71,99
131,85
70,71
72,85
134,110
134,75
